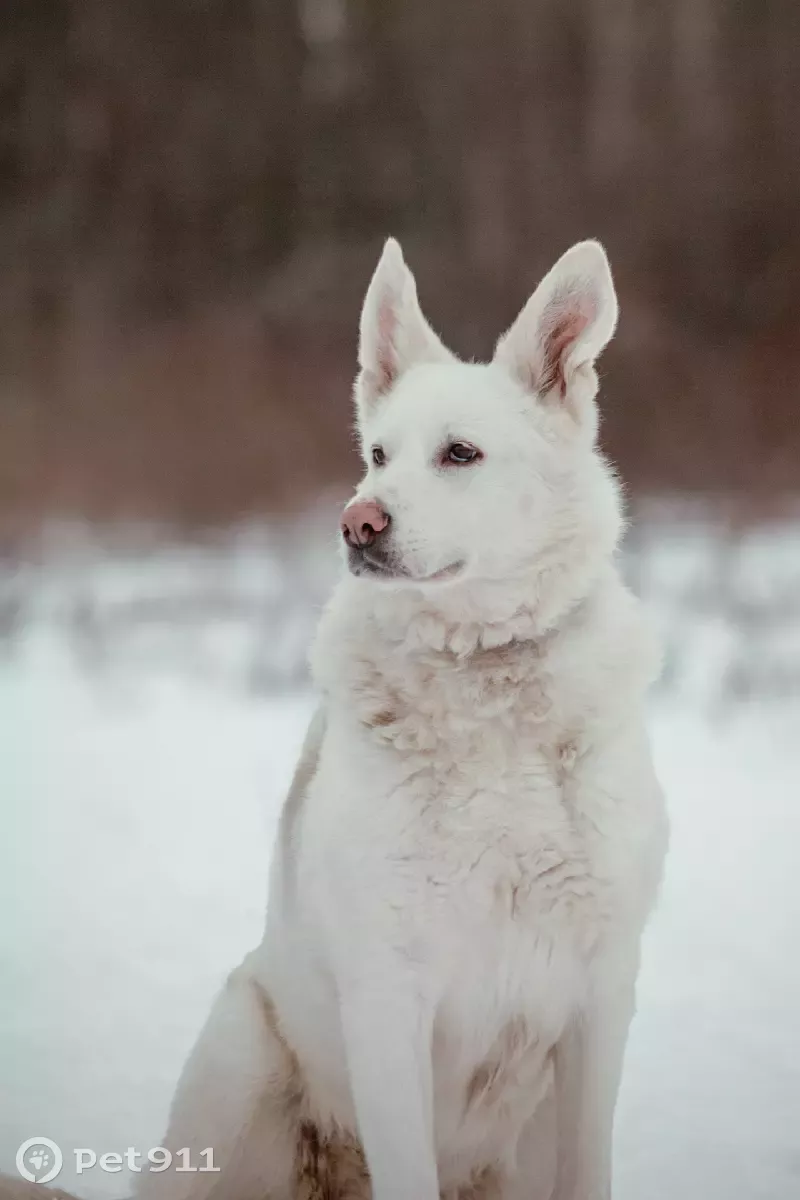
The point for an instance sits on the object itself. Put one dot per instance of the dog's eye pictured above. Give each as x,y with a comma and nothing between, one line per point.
378,456
462,453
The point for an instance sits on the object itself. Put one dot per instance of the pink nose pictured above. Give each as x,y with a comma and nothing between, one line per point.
362,521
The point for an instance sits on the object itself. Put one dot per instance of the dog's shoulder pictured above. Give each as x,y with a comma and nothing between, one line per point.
606,655
286,844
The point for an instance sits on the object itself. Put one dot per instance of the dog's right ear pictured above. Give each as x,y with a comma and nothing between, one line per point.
394,334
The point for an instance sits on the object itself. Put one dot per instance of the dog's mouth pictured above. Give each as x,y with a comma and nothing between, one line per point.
451,572
367,563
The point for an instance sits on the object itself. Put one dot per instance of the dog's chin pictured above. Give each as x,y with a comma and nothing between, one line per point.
389,570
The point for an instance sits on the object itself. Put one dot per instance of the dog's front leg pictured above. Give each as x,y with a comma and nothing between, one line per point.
387,1030
588,1069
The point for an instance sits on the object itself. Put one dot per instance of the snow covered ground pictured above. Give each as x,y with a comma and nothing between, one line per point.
151,707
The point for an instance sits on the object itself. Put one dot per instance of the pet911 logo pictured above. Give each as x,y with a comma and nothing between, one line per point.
40,1160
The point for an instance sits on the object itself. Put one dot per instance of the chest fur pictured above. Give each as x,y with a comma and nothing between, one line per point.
483,709
495,749
484,762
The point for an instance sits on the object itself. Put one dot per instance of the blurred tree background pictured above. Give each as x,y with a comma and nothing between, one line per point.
193,194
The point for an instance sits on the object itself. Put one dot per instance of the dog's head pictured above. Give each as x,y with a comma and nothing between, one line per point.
482,472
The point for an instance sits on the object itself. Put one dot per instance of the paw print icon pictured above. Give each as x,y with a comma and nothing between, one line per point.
39,1160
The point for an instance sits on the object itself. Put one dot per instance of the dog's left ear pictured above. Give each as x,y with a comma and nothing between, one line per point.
394,334
554,342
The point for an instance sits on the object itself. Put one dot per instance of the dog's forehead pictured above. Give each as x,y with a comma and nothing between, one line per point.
436,399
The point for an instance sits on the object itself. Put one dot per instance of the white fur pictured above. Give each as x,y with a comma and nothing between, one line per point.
475,835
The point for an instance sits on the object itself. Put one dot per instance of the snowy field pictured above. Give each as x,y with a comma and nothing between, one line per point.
152,702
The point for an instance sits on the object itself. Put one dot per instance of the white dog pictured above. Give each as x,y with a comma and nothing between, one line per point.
474,837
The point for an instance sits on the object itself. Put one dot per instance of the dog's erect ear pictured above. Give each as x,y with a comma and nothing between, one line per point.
394,334
552,346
